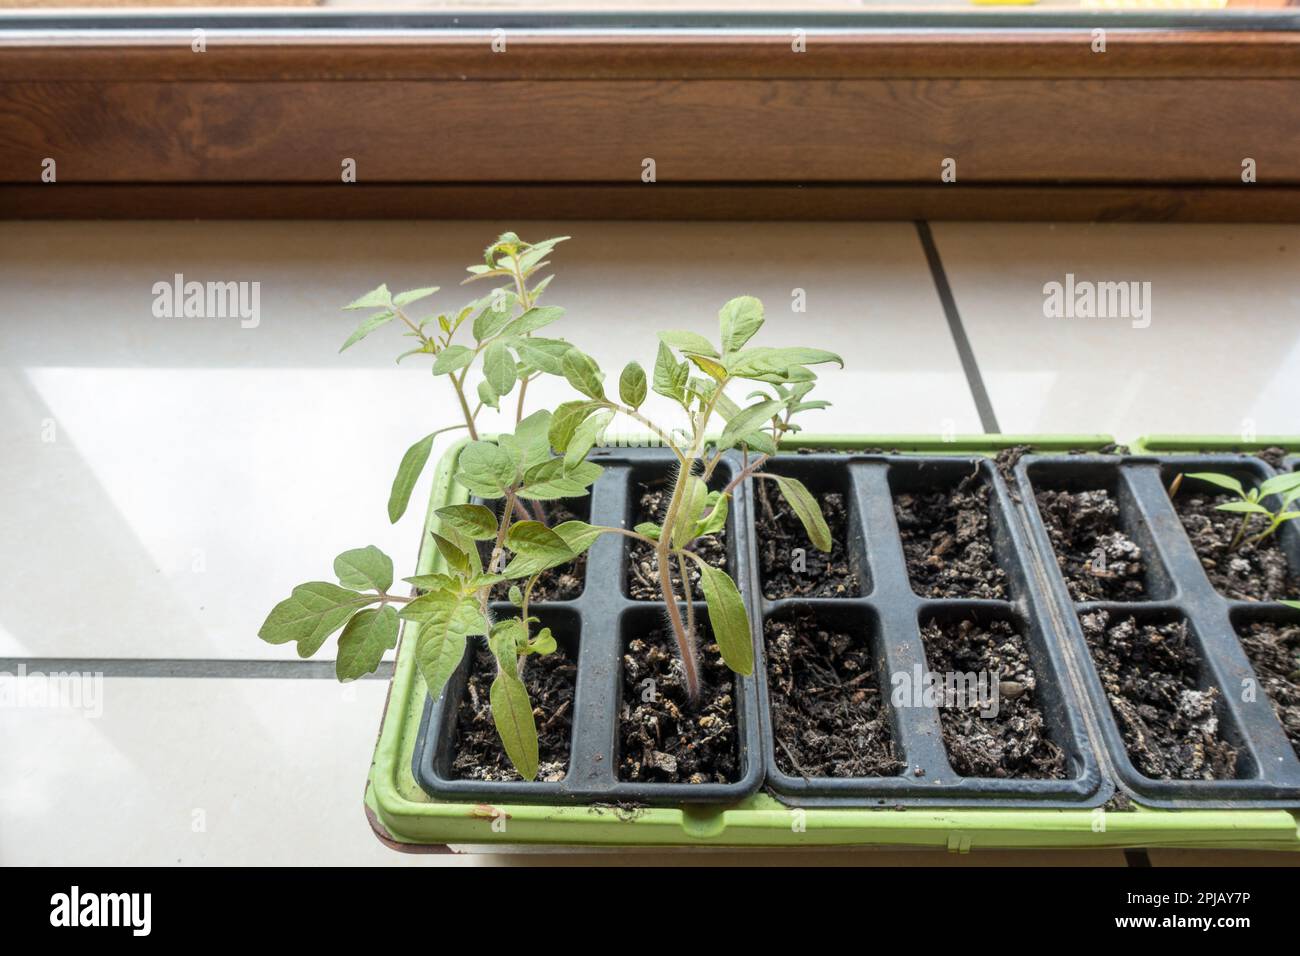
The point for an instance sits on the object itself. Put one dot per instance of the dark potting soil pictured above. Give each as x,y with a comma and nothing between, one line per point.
563,583
478,754
948,543
1011,743
643,563
828,719
1252,572
814,573
1274,652
1100,562
1149,673
662,737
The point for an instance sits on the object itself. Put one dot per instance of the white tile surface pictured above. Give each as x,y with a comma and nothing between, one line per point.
1222,353
198,470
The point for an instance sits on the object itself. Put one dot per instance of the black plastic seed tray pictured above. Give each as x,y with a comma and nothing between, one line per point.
597,625
1176,587
889,613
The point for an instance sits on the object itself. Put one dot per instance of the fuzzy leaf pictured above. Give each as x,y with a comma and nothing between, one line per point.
474,521
727,618
512,712
709,366
578,535
583,373
364,640
544,355
670,376
374,299
585,437
532,320
368,325
413,295
566,420
485,469
1226,482
533,539
689,511
740,319
649,529
362,568
452,359
551,480
313,612
806,508
408,473
689,342
632,385
499,367
715,515
748,420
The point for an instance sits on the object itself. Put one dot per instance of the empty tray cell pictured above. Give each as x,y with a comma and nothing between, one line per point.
986,690
829,716
476,752
1102,547
789,565
1272,642
563,583
648,501
945,523
663,736
1240,567
1170,717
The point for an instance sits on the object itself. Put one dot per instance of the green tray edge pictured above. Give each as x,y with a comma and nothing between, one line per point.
1191,444
405,817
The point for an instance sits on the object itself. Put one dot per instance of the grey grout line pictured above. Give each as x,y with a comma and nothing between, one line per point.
182,667
983,404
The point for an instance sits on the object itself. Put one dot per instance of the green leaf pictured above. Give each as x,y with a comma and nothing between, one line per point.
310,614
689,342
452,359
366,567
473,521
532,320
749,419
755,362
806,508
632,385
488,396
760,441
374,299
445,620
408,473
499,367
432,582
1244,507
1293,604
649,529
566,420
669,376
740,319
544,355
727,617
368,325
578,535
543,643
491,321
534,539
363,642
414,295
583,373
715,516
1279,485
585,438
485,469
551,480
689,509
709,366
1219,480
457,559
513,714
505,641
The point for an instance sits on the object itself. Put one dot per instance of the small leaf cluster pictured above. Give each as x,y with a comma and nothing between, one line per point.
1252,501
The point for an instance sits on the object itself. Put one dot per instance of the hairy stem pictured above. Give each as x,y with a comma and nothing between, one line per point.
685,638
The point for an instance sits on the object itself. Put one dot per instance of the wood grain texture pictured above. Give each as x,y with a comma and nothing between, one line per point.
1151,54
522,201
1001,131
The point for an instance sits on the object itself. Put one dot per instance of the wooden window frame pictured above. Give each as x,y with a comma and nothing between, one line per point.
739,126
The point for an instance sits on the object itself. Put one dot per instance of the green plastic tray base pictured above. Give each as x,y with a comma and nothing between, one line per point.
404,816
1228,444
